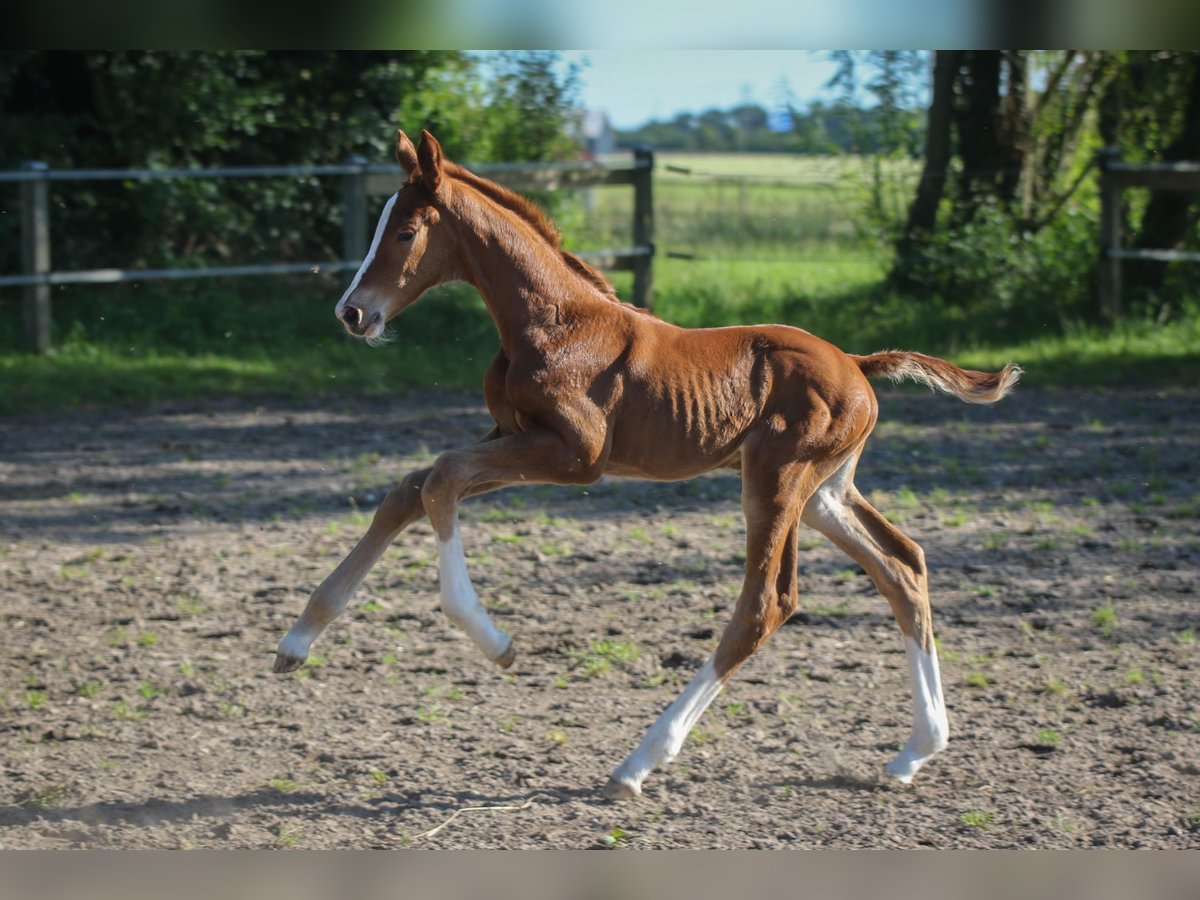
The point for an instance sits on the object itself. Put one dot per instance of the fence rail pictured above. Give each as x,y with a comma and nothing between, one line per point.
360,181
1115,176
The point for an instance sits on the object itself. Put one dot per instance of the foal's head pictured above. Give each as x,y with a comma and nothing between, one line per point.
409,253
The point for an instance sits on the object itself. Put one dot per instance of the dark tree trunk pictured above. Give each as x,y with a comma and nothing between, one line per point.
977,118
922,214
1013,135
1166,221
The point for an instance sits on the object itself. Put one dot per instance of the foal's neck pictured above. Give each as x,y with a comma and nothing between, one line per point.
523,280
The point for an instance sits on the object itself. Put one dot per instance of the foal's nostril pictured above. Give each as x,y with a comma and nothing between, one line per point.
352,316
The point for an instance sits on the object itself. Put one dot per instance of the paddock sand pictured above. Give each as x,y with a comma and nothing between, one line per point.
152,558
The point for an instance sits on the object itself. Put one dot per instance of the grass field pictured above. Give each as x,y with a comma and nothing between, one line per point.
740,239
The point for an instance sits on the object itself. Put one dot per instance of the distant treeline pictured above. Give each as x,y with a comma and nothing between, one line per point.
823,128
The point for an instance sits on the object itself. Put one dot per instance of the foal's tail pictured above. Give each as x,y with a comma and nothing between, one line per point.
967,385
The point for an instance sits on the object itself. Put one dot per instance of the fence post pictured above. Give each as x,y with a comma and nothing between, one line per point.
354,214
1110,234
643,226
35,255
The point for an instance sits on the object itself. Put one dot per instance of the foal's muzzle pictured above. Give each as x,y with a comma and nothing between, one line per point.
356,321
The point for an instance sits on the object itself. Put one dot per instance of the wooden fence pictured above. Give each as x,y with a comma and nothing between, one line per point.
360,180
1115,176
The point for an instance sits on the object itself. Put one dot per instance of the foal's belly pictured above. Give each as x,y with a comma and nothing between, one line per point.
673,468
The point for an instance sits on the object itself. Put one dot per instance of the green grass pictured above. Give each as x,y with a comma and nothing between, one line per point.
603,654
785,244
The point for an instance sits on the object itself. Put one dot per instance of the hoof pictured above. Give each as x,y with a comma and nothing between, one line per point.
620,790
908,762
505,659
286,662
901,771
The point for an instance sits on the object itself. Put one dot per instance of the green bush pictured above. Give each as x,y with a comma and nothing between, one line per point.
1012,281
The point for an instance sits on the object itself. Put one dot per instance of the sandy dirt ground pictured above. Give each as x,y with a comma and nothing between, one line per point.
151,559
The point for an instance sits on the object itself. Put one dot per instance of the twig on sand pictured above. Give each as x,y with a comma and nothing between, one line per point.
504,808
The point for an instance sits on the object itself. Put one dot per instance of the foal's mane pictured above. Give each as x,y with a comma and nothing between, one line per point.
533,215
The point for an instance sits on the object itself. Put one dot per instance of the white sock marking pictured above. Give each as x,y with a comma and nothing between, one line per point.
665,737
460,602
370,257
931,728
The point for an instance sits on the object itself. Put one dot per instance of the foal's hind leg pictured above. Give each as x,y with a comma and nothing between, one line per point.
772,503
897,566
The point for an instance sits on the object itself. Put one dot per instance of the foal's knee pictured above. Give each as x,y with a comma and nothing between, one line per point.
439,490
402,506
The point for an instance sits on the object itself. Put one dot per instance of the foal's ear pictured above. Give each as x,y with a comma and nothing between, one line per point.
406,154
429,157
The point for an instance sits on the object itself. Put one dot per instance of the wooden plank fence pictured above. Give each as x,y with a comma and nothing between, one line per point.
360,180
1115,176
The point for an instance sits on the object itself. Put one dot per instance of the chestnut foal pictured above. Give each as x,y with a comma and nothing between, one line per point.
585,385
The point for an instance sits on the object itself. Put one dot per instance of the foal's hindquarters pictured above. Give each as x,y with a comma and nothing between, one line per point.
797,465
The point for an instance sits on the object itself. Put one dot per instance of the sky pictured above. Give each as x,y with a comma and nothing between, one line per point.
634,86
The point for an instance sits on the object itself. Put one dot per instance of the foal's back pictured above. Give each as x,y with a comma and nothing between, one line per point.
692,397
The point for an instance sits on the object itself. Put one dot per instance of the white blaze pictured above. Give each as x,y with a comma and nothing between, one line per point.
370,257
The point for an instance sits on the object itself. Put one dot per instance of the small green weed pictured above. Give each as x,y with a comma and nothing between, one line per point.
1049,737
1063,822
148,690
1105,618
977,680
603,654
618,837
46,798
122,710
1054,685
432,714
977,818
289,837
735,710
189,605
996,540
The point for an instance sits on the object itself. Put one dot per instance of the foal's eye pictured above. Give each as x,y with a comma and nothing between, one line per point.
406,236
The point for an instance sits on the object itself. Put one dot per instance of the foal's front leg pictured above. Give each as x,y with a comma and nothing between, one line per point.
526,458
399,509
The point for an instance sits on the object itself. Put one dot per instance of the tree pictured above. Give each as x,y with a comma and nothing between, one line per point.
1010,142
922,214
